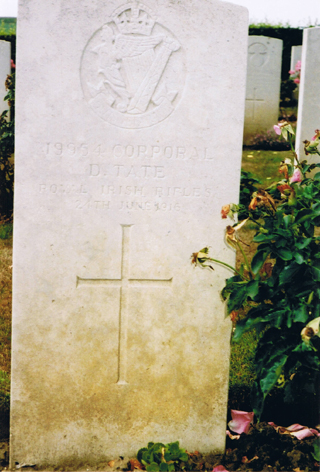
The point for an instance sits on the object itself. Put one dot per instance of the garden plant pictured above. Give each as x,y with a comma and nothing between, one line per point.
280,288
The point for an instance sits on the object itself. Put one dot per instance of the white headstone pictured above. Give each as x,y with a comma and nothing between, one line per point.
296,52
129,127
5,70
263,85
309,91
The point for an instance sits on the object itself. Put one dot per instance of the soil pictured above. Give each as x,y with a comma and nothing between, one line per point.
262,449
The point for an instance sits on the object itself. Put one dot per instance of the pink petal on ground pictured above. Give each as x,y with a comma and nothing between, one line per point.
304,433
295,427
219,468
241,421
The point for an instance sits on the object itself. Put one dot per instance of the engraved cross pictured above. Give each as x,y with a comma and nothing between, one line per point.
124,283
254,100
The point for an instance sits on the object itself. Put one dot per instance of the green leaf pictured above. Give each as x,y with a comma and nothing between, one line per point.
271,372
184,457
153,467
171,467
287,274
287,219
163,467
315,273
316,450
237,297
253,288
300,314
317,176
140,453
258,261
284,253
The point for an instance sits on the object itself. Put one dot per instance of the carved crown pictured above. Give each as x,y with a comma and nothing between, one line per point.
133,18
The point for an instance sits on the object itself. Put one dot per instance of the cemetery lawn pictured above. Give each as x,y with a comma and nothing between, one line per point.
263,448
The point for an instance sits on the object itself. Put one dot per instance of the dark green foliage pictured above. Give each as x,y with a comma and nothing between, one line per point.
8,26
248,184
163,457
7,151
286,300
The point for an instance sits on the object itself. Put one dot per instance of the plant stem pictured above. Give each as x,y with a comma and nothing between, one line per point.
227,265
245,257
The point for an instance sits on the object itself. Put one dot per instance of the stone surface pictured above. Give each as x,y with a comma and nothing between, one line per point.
309,91
129,124
296,52
5,70
263,85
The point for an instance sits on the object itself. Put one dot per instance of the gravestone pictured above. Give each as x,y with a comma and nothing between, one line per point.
124,157
263,85
296,52
5,70
309,92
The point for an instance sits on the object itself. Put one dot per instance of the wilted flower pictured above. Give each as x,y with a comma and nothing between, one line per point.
231,233
266,270
311,330
200,257
284,189
286,168
224,211
261,199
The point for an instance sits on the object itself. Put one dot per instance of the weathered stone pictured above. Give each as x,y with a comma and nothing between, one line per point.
129,127
296,52
309,92
263,85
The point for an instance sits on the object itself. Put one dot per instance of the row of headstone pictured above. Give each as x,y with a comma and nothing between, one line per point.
5,70
123,161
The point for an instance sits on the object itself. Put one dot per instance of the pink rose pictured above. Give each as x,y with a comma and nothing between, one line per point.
296,177
298,66
296,81
277,129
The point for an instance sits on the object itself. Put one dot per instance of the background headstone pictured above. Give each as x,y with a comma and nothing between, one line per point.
296,52
124,157
309,91
263,85
5,70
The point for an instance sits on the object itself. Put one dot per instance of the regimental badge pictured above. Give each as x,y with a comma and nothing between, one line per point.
133,69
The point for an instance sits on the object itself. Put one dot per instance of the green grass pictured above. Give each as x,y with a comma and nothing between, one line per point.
6,231
264,164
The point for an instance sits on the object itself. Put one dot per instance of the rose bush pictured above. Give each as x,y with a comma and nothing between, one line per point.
280,287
